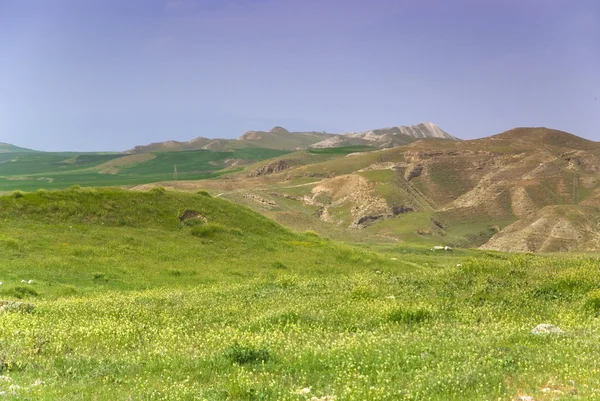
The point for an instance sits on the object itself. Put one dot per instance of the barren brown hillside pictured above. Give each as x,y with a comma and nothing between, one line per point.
527,189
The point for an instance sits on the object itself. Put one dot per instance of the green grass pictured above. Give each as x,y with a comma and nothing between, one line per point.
31,171
8,148
342,150
130,304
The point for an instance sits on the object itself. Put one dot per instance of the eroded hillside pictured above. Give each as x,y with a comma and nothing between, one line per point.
527,189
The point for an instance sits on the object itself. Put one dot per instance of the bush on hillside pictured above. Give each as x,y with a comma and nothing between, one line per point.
278,265
210,230
592,302
21,292
204,193
408,316
246,354
158,190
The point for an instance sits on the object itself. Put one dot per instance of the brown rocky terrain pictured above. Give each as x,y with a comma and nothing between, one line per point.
280,138
527,189
386,137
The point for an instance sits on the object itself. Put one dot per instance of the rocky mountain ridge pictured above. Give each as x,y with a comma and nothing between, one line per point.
387,137
281,138
526,190
8,148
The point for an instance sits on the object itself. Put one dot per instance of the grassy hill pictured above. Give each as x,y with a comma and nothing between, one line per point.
457,193
277,138
8,148
280,138
129,300
30,171
528,189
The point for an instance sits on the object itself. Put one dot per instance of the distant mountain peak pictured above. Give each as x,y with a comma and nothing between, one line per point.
280,138
387,137
8,148
279,130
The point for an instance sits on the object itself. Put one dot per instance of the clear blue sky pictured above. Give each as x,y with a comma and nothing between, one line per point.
111,74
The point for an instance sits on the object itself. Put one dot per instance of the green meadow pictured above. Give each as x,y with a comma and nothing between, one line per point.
116,295
33,170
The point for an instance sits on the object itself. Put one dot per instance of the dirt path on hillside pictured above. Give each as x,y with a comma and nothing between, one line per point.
269,188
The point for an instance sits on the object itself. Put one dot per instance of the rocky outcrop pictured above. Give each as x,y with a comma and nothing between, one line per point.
16,306
413,171
189,215
261,201
271,168
386,137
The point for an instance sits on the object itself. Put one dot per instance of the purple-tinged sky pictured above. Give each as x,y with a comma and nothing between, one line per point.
111,74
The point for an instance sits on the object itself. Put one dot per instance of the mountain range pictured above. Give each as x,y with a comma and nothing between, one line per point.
526,189
280,138
8,148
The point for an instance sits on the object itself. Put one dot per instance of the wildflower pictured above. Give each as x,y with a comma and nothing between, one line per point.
304,390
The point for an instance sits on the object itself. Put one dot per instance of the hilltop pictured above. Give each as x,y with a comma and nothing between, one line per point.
277,138
282,139
387,137
8,148
527,189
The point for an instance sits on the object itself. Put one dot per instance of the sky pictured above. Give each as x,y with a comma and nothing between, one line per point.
100,75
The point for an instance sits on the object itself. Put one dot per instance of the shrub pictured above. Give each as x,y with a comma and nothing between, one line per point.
278,265
285,318
208,230
246,354
311,233
67,290
192,222
158,190
99,276
204,193
17,194
592,302
10,244
21,292
174,272
409,316
562,287
364,292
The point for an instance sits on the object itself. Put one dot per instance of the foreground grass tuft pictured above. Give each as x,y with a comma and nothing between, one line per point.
247,354
409,316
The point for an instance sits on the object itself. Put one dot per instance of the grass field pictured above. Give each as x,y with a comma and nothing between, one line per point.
31,171
342,150
132,303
